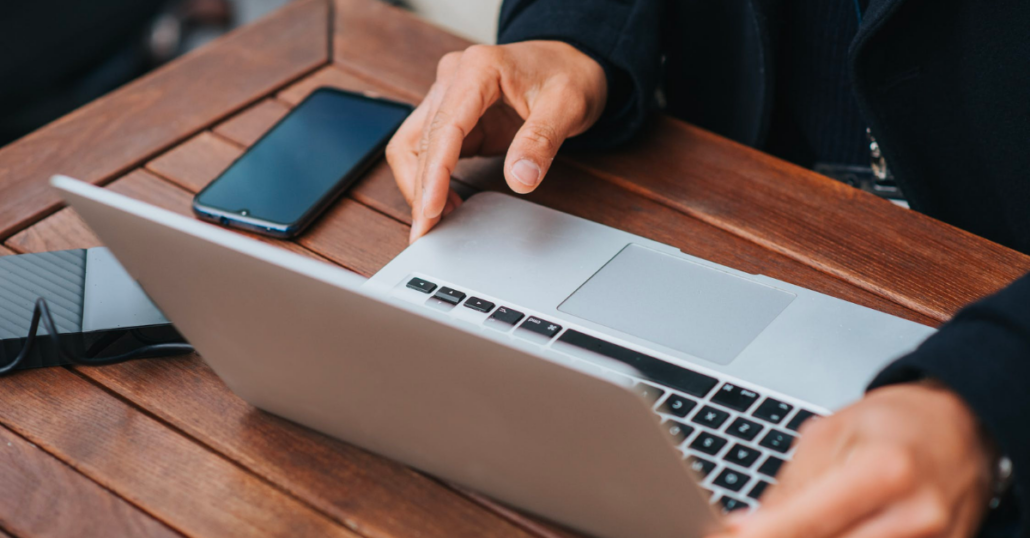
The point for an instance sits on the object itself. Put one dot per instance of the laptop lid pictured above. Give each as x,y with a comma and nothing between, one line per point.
299,338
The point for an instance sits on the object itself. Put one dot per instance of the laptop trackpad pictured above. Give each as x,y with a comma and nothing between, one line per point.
677,304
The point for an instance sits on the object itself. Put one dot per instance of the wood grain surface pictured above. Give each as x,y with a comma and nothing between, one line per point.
172,477
246,127
32,482
389,46
106,138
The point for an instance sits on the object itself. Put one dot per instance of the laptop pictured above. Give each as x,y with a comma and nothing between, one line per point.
607,382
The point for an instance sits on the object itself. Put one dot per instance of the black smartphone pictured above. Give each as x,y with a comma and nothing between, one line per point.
292,174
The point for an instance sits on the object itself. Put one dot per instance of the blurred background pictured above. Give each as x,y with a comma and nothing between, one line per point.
57,55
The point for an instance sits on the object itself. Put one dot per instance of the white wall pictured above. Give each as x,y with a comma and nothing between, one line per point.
474,19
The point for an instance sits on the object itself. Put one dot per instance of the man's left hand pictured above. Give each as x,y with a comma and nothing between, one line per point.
907,461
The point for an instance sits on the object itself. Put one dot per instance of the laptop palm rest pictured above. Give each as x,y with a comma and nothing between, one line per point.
678,304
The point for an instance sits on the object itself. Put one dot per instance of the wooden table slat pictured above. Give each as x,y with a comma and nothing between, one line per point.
32,481
336,76
902,255
390,45
246,127
106,138
196,162
176,480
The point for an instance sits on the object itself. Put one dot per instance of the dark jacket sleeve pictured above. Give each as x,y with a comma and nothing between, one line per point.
622,35
983,354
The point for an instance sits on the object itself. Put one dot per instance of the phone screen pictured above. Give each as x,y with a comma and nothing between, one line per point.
303,159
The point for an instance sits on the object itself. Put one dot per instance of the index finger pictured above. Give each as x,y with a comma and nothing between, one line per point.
475,89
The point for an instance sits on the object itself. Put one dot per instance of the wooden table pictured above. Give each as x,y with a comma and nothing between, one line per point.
162,448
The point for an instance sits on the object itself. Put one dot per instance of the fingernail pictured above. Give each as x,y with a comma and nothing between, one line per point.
526,172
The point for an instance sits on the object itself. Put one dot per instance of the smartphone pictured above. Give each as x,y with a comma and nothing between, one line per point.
297,169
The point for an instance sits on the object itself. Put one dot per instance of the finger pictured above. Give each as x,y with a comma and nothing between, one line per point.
474,90
823,445
402,151
869,480
420,226
444,78
916,517
555,115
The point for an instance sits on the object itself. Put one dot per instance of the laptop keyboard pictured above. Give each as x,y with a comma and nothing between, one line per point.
734,438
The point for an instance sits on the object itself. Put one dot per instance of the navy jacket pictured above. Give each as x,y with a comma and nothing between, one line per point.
945,88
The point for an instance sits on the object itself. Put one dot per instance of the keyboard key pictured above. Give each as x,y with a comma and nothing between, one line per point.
778,441
742,455
708,443
744,429
541,327
651,394
729,504
700,466
650,368
677,430
479,305
731,480
773,411
450,295
711,417
735,397
424,286
771,466
677,405
757,491
800,418
507,316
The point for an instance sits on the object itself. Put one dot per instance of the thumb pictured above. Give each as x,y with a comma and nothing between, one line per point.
536,144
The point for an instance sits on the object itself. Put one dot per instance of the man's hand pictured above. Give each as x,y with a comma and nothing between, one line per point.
906,461
527,96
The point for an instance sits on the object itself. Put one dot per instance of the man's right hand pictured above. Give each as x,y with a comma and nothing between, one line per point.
525,98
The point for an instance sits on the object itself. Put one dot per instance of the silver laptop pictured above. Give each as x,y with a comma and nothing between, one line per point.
599,379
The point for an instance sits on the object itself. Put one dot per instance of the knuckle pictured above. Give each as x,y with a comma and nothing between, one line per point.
483,54
543,136
447,64
443,122
897,469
